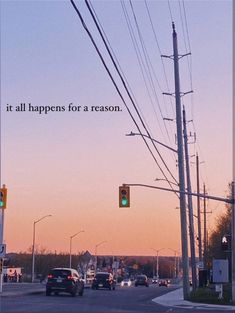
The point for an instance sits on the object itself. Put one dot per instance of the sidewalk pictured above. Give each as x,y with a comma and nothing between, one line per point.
175,299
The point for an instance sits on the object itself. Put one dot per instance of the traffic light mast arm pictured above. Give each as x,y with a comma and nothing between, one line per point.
206,196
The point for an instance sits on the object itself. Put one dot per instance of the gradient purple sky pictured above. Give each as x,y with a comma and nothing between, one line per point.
71,164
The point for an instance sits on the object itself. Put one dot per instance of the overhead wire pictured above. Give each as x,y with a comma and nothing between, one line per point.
115,85
160,52
138,54
149,68
169,7
139,58
162,62
128,93
120,68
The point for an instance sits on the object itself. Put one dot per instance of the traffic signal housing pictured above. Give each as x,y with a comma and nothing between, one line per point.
1,265
124,196
226,243
3,198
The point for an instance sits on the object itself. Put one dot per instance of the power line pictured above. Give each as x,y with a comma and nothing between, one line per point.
128,93
160,52
119,66
169,7
149,68
113,81
141,62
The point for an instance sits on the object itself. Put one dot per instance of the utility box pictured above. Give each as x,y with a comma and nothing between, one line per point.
203,278
220,271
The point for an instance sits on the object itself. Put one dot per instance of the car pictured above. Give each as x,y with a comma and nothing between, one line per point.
103,280
154,280
126,282
163,282
64,280
141,280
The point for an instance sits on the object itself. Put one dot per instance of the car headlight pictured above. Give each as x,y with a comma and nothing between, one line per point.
122,283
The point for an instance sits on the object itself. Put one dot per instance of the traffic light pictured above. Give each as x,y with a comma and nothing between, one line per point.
226,243
124,196
3,198
1,265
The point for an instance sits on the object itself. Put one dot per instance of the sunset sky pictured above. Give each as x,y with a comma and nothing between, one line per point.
70,164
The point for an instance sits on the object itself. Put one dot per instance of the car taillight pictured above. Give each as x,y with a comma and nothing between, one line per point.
69,277
49,276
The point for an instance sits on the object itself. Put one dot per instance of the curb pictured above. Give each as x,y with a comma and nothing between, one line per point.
175,299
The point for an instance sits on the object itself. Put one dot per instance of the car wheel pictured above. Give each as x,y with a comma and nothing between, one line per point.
56,293
48,292
113,287
81,292
74,292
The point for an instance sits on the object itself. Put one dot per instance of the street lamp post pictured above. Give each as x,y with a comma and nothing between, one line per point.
33,246
70,247
175,265
96,246
157,251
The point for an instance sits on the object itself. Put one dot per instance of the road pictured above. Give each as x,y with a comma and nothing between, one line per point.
122,300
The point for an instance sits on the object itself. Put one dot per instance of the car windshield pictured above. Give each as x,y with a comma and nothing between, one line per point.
60,273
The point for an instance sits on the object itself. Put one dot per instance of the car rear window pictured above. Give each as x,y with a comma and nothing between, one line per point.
102,276
60,273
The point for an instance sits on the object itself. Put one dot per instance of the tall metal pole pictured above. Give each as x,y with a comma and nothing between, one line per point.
96,246
2,212
33,253
70,247
190,206
70,252
157,266
198,213
153,266
183,216
233,241
205,232
33,246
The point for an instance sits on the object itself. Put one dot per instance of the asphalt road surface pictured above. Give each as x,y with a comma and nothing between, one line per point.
122,300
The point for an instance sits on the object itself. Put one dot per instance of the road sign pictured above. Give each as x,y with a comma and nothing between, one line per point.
2,250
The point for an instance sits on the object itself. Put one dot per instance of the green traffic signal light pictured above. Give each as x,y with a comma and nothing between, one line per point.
124,201
1,199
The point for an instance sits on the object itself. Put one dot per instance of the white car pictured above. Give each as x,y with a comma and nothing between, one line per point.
126,282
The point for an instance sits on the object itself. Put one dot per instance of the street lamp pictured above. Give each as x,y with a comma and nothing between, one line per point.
163,179
33,247
96,246
157,251
175,265
70,247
